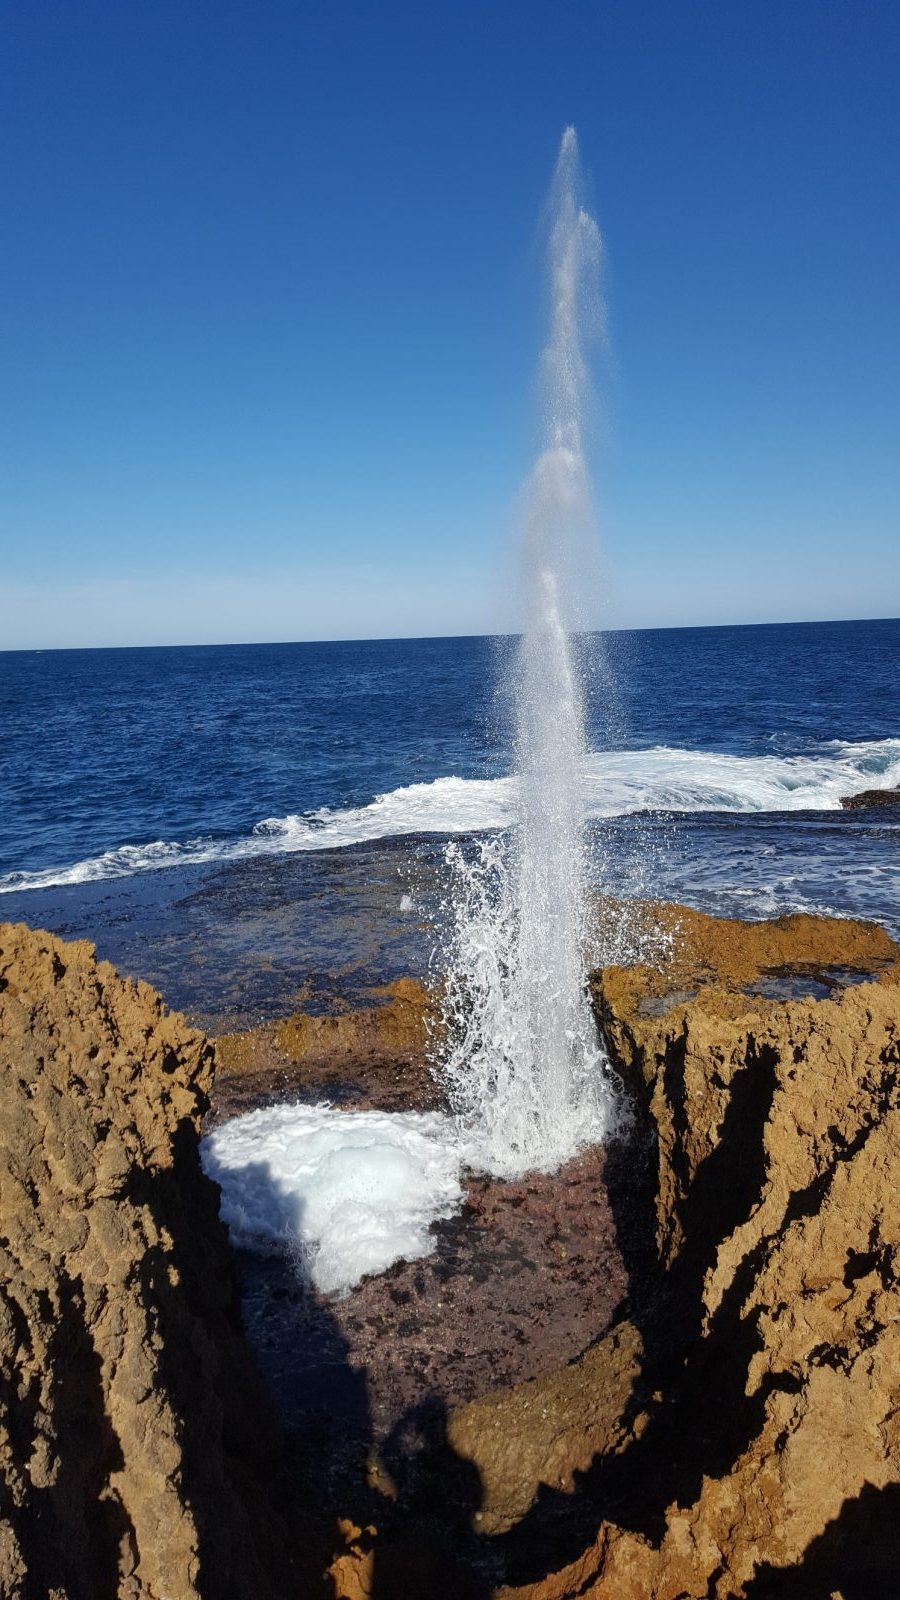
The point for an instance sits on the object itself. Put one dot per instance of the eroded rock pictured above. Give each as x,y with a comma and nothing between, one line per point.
734,1435
763,1456
374,1056
135,1444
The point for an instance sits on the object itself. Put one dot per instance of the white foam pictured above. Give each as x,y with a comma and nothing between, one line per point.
348,1193
617,783
666,779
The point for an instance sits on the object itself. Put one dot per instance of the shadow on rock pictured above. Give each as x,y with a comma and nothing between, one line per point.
138,1453
428,1545
762,1166
857,1556
72,1533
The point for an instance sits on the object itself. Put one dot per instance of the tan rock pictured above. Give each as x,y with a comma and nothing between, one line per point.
396,1026
133,1434
735,1436
764,1457
546,1431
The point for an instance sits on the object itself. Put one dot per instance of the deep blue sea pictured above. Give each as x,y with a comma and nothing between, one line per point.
234,822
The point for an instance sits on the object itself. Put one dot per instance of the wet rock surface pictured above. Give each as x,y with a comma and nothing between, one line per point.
724,1428
519,1283
868,798
373,1057
734,1434
758,1454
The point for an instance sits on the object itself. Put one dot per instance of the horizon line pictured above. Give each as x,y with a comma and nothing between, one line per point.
421,638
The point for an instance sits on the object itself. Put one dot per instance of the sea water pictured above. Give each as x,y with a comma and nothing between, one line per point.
116,763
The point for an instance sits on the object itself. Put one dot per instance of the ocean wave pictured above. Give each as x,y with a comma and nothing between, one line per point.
617,783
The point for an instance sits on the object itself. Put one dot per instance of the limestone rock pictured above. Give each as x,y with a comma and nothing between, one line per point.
734,1436
764,1450
547,1431
372,1057
133,1436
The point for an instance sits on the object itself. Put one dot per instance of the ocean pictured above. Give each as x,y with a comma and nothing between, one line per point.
256,826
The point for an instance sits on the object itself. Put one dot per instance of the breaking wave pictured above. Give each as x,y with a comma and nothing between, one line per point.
617,783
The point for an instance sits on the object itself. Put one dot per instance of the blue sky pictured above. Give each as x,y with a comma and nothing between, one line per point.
271,306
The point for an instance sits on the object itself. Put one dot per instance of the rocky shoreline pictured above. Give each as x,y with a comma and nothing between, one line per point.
711,1412
871,797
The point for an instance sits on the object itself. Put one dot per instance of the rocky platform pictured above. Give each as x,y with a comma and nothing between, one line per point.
747,1444
521,1280
729,1428
734,1434
372,1057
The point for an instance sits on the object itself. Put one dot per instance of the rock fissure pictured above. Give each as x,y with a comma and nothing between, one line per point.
733,1435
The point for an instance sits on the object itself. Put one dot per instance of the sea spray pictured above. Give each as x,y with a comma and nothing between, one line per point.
520,1056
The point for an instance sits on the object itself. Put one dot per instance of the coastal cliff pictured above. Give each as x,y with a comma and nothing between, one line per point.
135,1444
736,1435
732,1435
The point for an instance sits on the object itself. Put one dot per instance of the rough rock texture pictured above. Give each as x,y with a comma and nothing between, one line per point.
549,1431
374,1056
759,1451
736,1436
686,1027
133,1440
871,797
520,1280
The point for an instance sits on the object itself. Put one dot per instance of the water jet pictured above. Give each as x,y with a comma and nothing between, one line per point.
525,1070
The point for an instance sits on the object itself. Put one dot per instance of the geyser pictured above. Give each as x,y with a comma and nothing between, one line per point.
525,1069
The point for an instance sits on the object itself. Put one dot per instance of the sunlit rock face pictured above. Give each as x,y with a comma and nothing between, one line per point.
733,1434
756,1451
773,1447
134,1442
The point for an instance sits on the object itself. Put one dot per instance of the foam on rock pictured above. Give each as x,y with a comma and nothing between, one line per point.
347,1192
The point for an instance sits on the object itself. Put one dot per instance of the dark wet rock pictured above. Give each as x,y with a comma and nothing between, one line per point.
522,1280
868,798
753,1448
734,1434
670,1371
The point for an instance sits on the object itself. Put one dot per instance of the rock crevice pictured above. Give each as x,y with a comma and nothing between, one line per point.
764,1418
735,1435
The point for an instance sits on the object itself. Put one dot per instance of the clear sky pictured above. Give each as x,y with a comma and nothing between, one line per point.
270,294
